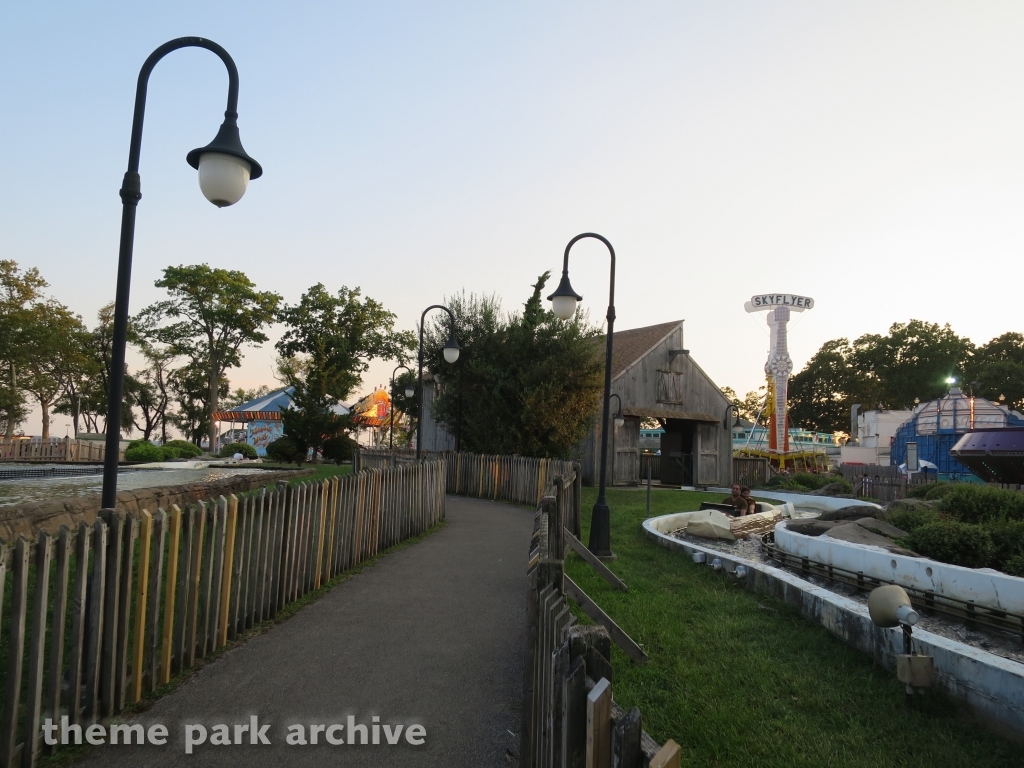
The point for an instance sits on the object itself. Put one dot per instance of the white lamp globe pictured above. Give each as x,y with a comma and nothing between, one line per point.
409,391
619,421
564,307
451,354
223,178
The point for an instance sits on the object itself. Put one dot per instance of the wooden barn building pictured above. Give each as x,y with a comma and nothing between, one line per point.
657,380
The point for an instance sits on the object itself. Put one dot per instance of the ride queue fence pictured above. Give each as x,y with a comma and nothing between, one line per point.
515,479
96,617
54,449
569,719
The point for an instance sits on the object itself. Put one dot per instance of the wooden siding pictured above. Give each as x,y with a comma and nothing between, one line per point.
435,436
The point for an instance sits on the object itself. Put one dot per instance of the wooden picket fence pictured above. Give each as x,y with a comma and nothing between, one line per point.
103,614
516,479
53,449
569,719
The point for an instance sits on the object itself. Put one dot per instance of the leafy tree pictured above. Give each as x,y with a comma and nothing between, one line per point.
326,347
821,395
526,383
210,315
751,404
154,392
912,361
59,345
192,417
20,290
241,395
998,367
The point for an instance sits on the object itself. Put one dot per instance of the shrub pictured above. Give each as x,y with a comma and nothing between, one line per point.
185,448
170,453
971,503
1007,545
231,449
143,450
285,450
920,491
909,519
338,449
784,483
812,481
953,542
1015,565
939,490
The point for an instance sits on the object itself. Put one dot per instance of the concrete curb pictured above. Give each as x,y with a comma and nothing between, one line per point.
990,686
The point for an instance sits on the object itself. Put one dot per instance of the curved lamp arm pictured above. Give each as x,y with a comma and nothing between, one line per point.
725,417
391,430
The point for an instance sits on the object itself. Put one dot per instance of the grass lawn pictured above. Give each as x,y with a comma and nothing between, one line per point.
321,471
739,679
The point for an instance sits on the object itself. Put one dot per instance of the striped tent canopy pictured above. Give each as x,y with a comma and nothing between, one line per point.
266,408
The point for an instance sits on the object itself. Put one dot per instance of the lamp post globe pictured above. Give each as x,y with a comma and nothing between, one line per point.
224,166
452,350
409,391
564,299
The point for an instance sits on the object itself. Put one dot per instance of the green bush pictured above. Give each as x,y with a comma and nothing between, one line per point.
920,491
1015,565
231,449
170,453
285,450
143,450
1007,545
784,483
185,448
939,490
338,449
909,519
953,542
972,503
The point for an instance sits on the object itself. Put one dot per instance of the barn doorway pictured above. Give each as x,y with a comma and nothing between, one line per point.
677,450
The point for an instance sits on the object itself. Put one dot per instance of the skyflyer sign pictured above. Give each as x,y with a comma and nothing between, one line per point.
765,301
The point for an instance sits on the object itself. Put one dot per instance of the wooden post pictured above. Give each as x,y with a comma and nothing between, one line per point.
141,598
229,561
15,652
58,627
108,657
37,659
668,757
170,593
96,600
153,645
599,725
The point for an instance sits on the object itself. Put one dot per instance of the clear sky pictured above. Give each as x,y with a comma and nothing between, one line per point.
866,154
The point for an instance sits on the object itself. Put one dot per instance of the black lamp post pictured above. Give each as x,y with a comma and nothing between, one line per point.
618,418
409,392
224,171
725,418
451,354
563,304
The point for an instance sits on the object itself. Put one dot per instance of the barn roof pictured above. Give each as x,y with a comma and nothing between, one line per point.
629,346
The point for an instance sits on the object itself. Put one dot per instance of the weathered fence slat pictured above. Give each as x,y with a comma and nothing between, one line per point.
58,626
141,605
37,660
15,650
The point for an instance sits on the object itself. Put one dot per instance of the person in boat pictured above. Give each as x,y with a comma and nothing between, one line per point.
751,504
736,500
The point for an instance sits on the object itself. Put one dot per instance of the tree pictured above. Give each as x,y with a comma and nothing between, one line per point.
526,383
59,345
210,315
821,395
326,347
751,404
238,396
192,417
154,394
912,361
20,290
998,367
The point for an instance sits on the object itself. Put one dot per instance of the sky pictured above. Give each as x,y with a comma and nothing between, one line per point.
864,154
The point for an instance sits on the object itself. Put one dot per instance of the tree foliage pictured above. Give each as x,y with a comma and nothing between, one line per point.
525,383
210,315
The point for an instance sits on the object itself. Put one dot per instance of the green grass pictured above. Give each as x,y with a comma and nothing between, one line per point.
740,679
321,471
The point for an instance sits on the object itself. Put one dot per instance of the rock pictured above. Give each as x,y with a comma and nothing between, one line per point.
854,533
854,512
881,528
814,527
832,489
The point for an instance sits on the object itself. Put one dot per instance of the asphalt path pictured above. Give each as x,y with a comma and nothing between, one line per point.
431,635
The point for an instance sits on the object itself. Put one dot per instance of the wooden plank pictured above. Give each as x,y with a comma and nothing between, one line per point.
141,605
240,586
78,620
195,576
15,651
108,658
574,715
668,757
594,561
97,603
599,725
58,625
170,594
321,539
182,616
124,608
593,610
626,740
156,576
229,563
216,607
37,657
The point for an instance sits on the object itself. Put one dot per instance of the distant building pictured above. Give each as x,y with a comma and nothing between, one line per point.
936,426
658,381
871,437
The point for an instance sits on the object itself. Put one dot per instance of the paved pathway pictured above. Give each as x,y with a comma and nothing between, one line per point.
431,635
